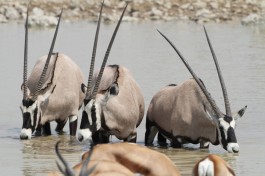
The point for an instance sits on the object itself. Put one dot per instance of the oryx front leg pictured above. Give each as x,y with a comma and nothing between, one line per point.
73,124
150,132
46,129
60,125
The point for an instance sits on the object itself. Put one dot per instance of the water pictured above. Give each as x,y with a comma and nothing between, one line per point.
154,64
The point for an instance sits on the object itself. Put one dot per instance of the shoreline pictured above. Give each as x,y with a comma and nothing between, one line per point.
44,13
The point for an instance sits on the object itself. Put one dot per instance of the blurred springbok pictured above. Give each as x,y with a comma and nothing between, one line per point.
120,159
51,92
115,105
212,165
188,114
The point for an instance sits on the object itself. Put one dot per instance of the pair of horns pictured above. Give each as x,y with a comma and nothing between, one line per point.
91,94
206,93
41,80
67,170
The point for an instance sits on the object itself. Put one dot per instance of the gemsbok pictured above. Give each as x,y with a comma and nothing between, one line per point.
120,159
187,113
212,165
114,104
51,92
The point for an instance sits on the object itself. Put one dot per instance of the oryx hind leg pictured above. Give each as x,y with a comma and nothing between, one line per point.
204,144
73,124
161,140
150,133
176,142
46,129
60,126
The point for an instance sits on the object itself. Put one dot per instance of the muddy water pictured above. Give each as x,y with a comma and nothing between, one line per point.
154,64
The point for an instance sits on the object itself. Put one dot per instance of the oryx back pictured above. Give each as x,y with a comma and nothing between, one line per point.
122,107
179,109
65,77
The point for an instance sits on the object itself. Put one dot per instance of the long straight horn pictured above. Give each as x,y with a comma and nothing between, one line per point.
25,72
89,83
206,93
107,55
39,85
226,100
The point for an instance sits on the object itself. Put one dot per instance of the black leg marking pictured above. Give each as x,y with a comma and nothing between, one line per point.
175,143
73,127
204,144
46,129
38,131
60,126
150,132
162,141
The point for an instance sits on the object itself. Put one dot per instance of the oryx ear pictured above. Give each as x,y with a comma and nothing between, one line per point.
240,113
44,95
83,88
114,89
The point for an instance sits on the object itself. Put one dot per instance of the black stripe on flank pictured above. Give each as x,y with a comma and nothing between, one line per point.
117,75
172,85
55,64
186,139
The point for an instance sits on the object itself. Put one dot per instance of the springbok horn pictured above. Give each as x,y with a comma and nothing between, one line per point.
84,169
89,83
204,90
39,85
25,75
226,100
106,56
68,170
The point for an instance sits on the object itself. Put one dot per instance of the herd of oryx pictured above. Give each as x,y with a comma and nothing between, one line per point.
113,104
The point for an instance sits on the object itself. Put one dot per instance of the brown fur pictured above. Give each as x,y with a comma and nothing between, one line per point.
138,159
221,168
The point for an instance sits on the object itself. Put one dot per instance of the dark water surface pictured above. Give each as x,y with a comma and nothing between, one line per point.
154,64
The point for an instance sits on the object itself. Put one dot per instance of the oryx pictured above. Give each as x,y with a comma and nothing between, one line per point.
187,113
51,92
115,105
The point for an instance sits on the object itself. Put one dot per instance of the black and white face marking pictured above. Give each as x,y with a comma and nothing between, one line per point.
31,118
90,121
228,136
